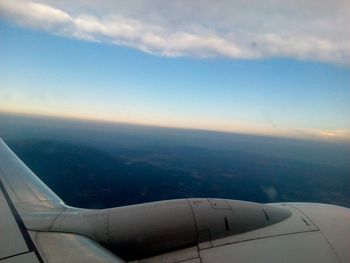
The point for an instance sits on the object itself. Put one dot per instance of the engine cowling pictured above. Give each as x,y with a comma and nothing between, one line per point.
138,231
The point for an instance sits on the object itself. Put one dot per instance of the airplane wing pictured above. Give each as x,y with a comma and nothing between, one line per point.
21,184
18,187
22,192
36,226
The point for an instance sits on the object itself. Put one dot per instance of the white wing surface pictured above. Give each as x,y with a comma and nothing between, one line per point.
23,193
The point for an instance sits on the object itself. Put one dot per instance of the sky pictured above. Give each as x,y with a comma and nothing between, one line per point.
272,67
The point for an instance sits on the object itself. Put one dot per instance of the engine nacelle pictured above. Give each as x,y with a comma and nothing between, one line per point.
138,231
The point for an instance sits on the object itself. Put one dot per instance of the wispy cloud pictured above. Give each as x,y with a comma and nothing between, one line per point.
312,30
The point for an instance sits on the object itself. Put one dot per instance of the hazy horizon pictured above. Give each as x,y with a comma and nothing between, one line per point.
47,127
125,164
300,136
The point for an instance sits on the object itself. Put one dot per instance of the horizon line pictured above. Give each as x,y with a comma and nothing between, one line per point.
322,135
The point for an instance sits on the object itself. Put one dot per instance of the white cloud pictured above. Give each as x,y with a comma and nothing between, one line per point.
248,29
34,14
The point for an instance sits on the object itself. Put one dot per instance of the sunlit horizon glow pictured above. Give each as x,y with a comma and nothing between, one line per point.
273,68
309,134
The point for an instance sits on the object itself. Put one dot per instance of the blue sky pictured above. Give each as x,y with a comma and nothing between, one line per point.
43,71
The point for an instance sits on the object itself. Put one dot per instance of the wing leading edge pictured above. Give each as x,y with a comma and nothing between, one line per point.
22,185
22,193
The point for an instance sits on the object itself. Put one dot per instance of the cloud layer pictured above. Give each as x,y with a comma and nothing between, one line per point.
310,30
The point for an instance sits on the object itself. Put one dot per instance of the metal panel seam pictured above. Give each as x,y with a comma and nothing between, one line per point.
329,243
30,244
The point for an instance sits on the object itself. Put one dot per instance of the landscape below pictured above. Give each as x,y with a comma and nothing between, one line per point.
99,165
